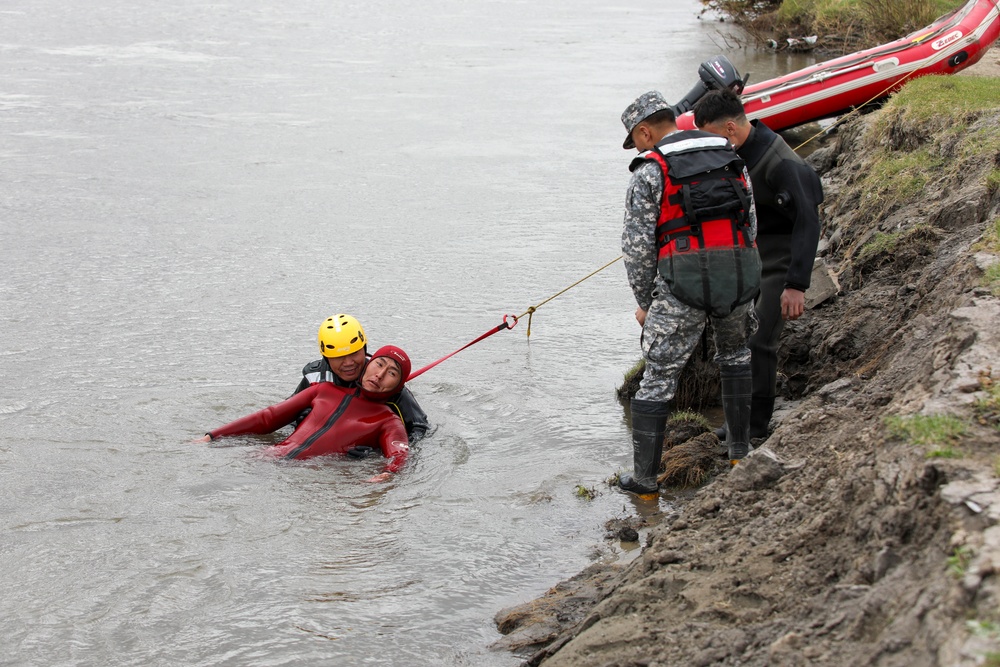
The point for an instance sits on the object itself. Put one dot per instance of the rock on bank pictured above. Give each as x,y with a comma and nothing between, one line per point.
865,532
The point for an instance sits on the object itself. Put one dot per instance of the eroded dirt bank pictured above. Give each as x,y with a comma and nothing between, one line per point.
840,541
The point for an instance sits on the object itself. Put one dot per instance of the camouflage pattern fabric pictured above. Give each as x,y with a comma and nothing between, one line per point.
672,332
642,108
672,329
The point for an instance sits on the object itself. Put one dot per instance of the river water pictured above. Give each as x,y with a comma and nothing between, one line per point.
189,189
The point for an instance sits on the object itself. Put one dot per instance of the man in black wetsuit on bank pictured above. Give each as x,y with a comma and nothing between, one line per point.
787,193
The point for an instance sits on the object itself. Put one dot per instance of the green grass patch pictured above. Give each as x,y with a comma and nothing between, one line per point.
993,180
929,137
820,11
991,243
991,237
941,430
981,145
630,385
637,368
906,174
897,177
691,416
889,16
886,244
981,628
851,24
881,244
943,453
988,408
991,279
947,96
904,16
958,561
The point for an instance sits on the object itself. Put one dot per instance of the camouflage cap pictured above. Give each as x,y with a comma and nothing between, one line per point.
642,108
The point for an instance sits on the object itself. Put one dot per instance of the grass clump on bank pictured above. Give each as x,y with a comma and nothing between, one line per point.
886,246
899,177
958,562
691,416
940,431
929,96
991,239
881,244
906,174
991,279
991,243
842,25
935,136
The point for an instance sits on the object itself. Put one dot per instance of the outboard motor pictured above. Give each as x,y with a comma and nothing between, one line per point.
716,73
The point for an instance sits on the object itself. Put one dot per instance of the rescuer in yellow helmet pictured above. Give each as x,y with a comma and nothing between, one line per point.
343,345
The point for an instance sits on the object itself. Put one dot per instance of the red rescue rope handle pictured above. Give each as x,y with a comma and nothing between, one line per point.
510,325
500,327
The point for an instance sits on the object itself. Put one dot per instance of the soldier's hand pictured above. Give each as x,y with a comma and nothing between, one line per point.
793,303
640,316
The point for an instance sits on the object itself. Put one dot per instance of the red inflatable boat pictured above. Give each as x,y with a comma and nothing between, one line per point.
950,44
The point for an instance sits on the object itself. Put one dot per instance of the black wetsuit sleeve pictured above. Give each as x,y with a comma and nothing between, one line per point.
312,367
303,384
805,191
414,418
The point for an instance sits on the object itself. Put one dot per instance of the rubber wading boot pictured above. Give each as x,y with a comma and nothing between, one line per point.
737,389
649,426
761,409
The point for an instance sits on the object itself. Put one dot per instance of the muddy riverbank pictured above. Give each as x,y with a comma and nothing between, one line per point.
865,530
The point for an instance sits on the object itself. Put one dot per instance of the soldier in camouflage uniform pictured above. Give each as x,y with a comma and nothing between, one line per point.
670,328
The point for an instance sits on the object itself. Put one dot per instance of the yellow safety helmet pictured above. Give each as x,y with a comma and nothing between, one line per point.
341,335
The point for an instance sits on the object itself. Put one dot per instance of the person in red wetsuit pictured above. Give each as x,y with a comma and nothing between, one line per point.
341,420
343,345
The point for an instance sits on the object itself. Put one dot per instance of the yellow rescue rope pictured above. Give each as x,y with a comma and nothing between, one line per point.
507,323
531,310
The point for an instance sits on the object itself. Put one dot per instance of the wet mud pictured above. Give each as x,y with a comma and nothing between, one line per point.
837,541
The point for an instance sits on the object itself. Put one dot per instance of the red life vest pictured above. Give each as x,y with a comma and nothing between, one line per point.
704,248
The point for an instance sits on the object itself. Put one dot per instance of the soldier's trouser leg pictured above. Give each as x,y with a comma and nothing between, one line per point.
737,386
775,255
733,357
669,336
649,424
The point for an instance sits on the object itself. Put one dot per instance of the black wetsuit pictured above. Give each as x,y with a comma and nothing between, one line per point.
787,193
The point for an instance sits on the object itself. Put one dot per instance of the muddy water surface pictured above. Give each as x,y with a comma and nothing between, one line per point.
189,189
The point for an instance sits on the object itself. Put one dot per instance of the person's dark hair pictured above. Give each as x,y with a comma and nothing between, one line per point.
718,105
661,116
